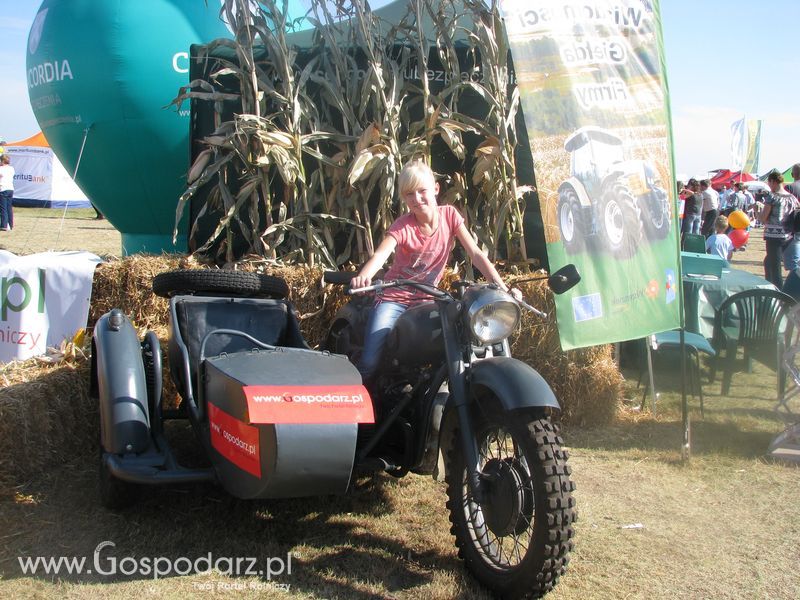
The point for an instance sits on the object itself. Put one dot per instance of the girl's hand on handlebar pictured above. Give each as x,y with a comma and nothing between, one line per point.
360,281
515,293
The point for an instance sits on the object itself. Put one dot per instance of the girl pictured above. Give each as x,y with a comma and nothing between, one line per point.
421,240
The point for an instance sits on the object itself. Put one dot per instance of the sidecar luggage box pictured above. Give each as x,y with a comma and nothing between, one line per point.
252,399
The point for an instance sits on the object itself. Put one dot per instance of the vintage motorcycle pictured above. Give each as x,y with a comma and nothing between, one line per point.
278,419
447,386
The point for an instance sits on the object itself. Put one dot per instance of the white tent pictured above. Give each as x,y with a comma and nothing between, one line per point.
40,179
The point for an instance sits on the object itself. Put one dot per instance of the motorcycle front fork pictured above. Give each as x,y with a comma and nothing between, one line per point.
458,389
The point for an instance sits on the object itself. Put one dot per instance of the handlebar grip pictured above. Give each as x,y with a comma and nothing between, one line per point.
338,277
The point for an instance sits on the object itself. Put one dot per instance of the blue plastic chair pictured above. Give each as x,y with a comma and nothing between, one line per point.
695,344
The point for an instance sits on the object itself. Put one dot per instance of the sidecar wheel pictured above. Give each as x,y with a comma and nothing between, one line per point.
517,542
206,281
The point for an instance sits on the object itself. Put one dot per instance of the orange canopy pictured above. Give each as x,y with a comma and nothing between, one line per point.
34,140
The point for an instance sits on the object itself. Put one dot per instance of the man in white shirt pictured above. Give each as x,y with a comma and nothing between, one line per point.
723,198
710,207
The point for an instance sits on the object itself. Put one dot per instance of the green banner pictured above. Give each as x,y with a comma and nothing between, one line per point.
593,93
753,146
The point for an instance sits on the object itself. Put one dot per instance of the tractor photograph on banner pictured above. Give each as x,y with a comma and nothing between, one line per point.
616,202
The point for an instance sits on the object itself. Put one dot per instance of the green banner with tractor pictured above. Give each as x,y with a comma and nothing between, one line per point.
592,89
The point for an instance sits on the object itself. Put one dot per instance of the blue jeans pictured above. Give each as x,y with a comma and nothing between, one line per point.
691,224
791,285
6,209
380,324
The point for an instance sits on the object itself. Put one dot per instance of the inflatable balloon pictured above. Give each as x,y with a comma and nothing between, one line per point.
738,220
99,76
739,237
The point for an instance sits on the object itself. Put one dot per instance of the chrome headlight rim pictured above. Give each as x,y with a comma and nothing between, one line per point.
492,313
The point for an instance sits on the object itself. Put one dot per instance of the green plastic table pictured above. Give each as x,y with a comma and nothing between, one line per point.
703,295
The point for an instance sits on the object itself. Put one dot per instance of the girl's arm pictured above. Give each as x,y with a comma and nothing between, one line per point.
382,252
480,260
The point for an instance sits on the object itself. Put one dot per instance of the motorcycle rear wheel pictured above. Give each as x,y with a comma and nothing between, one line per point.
517,542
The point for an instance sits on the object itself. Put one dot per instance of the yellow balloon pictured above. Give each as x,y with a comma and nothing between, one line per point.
738,220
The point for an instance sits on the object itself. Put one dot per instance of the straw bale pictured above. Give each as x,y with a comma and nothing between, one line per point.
46,417
586,381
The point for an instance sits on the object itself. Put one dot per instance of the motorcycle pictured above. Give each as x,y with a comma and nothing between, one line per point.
277,419
448,386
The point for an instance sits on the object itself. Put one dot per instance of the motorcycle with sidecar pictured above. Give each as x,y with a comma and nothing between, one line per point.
278,419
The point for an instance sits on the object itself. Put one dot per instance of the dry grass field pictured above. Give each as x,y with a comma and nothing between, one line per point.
725,524
43,229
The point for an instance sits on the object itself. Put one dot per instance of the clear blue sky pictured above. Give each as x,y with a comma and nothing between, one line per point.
725,59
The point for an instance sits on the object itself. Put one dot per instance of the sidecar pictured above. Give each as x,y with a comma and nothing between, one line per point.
275,418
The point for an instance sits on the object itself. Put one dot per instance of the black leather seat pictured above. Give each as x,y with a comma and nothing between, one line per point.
193,318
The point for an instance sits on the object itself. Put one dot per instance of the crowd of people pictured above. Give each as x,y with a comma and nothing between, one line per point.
777,211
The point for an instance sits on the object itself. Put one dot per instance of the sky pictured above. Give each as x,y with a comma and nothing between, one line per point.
725,59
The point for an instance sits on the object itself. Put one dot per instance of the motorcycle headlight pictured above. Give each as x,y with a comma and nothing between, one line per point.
493,314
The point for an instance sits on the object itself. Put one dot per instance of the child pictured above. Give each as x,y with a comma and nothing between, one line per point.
719,243
421,240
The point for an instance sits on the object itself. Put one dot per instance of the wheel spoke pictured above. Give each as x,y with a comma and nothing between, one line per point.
509,550
500,535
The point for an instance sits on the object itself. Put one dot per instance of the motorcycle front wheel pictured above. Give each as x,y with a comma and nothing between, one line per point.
517,541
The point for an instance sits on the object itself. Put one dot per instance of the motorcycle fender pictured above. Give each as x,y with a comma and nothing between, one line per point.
120,384
514,383
576,186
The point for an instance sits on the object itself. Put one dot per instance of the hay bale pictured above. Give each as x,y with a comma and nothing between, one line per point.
46,414
46,417
586,381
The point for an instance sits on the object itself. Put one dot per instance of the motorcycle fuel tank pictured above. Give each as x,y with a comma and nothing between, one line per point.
417,337
283,423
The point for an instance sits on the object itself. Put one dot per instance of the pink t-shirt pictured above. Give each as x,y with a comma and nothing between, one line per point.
418,256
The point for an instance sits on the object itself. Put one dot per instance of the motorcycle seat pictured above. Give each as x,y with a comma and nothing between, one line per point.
192,318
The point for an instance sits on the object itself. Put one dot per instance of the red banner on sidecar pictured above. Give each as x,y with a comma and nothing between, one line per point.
235,440
299,404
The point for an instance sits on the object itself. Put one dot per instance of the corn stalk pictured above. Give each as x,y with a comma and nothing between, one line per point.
305,168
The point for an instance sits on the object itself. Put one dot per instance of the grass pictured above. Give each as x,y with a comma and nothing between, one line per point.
42,229
725,524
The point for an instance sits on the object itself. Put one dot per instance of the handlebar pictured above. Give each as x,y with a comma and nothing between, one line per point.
535,311
345,277
382,285
338,277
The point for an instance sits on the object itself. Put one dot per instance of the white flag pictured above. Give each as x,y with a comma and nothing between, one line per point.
739,144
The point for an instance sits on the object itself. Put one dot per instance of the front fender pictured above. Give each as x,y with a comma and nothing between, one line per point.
120,385
576,185
514,383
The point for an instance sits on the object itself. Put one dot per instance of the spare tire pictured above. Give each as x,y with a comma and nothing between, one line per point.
232,283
